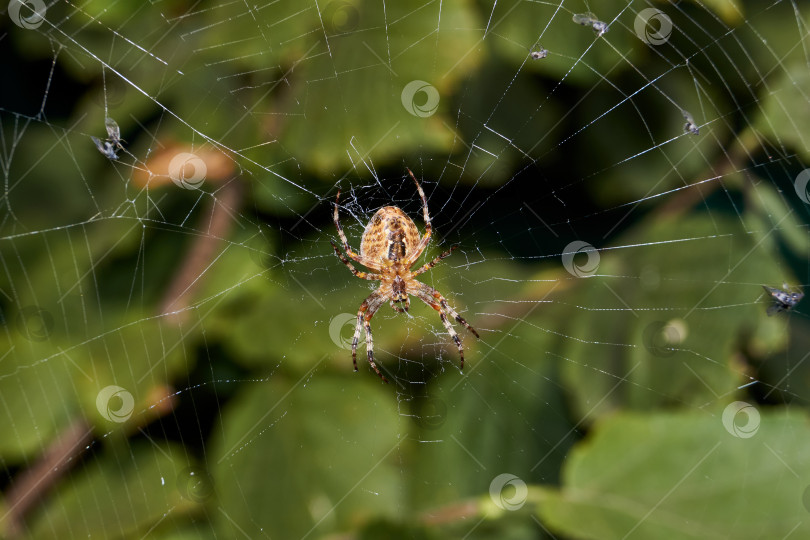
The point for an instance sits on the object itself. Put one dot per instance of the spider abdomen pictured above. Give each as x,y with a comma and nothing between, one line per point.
390,236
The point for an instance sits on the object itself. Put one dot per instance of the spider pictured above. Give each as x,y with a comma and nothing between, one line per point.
389,247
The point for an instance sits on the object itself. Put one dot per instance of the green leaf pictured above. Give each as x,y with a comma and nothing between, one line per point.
764,38
330,82
785,110
501,415
775,213
685,476
731,11
118,495
518,28
310,455
668,339
36,396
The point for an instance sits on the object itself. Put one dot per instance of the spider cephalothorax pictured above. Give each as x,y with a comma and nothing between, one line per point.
390,246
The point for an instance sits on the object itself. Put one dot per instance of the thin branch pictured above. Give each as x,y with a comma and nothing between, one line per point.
203,251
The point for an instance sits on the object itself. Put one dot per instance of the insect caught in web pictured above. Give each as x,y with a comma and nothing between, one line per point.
589,19
113,142
690,126
389,247
539,54
783,300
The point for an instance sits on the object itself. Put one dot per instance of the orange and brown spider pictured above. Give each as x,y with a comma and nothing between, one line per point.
389,247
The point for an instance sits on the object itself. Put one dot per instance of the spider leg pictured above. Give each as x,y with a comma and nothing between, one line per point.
429,294
367,309
434,262
424,204
453,334
428,227
355,271
455,315
450,330
349,251
434,299
356,337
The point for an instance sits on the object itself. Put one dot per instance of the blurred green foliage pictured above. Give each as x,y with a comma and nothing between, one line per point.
247,420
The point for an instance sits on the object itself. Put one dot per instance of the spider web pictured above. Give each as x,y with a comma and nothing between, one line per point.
620,178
